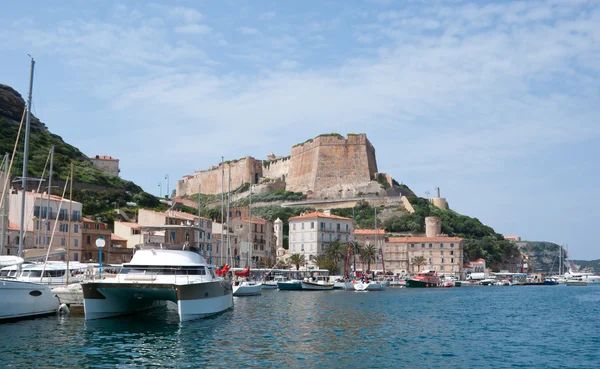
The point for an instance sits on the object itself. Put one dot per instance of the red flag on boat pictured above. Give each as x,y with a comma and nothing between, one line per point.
243,273
223,270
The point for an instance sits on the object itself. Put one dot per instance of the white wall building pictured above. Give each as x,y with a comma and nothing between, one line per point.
312,233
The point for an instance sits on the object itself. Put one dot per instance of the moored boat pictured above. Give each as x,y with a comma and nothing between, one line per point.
246,287
316,285
425,279
291,285
576,282
370,286
154,277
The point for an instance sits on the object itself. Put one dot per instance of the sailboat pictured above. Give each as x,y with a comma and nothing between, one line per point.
374,285
245,287
19,299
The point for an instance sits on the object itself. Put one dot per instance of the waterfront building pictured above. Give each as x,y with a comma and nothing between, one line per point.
263,246
312,233
441,253
115,250
38,232
198,233
130,232
107,164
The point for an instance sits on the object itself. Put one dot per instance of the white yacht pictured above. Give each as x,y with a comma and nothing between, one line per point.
54,272
370,286
247,288
154,277
25,299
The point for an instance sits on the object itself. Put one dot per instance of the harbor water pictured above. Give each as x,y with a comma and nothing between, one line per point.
467,327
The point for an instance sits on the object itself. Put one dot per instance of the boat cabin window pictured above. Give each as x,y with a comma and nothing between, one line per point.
201,270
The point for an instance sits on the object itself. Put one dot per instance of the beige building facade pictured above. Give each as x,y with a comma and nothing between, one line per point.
312,233
66,226
107,164
262,242
442,254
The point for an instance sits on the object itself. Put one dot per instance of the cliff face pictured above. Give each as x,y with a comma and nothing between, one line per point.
12,107
543,257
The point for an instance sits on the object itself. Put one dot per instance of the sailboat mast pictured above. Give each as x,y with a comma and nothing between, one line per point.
222,207
25,159
250,224
69,216
47,223
3,216
229,255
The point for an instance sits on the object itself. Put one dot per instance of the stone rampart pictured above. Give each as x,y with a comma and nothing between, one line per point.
241,172
277,169
331,163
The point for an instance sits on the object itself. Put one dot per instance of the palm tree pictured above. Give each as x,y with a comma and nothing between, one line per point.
297,260
369,255
336,251
321,261
418,261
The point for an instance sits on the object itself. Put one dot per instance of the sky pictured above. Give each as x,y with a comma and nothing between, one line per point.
496,103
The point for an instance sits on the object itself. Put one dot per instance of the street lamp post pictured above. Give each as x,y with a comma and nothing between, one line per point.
167,178
100,244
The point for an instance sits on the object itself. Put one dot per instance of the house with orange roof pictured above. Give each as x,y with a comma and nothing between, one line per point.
115,250
312,233
107,164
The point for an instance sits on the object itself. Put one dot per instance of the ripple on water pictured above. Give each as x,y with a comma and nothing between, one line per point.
499,327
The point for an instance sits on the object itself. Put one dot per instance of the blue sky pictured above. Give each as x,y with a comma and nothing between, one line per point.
497,103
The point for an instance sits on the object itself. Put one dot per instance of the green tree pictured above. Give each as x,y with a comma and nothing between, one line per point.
297,260
418,261
337,251
356,249
369,255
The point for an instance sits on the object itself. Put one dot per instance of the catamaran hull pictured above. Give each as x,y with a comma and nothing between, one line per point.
70,295
25,299
247,290
194,301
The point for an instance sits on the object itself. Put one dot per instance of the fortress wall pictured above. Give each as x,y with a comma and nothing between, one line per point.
277,169
303,166
210,180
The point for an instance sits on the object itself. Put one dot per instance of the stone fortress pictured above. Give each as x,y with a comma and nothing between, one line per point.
329,166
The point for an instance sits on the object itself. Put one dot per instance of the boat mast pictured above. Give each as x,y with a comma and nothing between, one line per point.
47,222
3,215
69,216
222,207
25,158
354,246
249,224
229,256
198,225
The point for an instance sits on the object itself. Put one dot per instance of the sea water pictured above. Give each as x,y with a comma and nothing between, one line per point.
467,327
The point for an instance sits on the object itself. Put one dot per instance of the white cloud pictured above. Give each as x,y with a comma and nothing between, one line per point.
194,28
248,31
187,15
267,16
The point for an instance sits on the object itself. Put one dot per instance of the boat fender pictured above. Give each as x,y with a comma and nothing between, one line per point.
64,309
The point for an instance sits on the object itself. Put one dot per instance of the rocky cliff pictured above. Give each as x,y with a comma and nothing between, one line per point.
12,107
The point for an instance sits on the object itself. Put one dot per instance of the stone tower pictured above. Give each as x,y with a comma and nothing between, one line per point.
433,226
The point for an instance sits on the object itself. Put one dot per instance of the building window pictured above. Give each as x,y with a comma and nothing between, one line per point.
331,226
430,245
88,239
452,260
96,225
441,245
451,245
76,228
322,236
261,229
412,245
338,227
346,238
294,226
330,237
422,245
442,252
322,226
442,267
347,228
172,236
238,213
187,236
76,243
451,252
430,252
76,256
62,241
312,225
302,226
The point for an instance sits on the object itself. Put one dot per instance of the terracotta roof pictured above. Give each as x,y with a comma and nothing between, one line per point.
129,224
182,215
257,220
368,231
44,195
88,220
114,237
423,239
105,157
317,214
